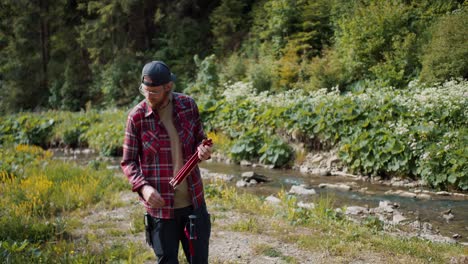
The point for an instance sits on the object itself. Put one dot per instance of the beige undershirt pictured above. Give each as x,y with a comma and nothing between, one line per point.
181,195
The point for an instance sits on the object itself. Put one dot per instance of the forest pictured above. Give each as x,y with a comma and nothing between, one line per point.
66,54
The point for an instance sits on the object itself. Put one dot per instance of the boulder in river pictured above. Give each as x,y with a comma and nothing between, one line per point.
340,186
301,190
250,175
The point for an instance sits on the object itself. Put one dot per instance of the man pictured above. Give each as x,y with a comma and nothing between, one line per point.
162,132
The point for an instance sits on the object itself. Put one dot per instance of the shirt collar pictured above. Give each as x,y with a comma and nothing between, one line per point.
177,103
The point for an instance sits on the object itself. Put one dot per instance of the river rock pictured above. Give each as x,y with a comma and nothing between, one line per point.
402,193
272,199
304,169
342,187
301,190
443,193
320,172
245,163
332,161
448,217
306,205
216,176
397,218
356,210
342,173
424,196
385,207
241,183
316,159
250,175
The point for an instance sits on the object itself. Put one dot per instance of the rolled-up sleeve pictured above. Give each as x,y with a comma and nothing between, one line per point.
130,163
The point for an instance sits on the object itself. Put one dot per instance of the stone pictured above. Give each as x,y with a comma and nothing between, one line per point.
241,183
306,205
316,159
272,199
304,169
320,172
397,218
250,175
245,163
448,217
332,160
342,187
301,190
356,210
342,173
424,196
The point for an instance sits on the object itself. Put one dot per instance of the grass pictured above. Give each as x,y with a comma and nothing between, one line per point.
269,251
323,230
44,201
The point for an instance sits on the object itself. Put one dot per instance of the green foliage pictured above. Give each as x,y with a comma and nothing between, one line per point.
233,70
446,55
373,223
14,161
107,134
26,128
373,37
247,147
206,87
275,152
228,24
120,79
262,74
38,193
378,131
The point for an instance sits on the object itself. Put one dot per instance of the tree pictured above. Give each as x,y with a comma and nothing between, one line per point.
24,53
229,24
446,55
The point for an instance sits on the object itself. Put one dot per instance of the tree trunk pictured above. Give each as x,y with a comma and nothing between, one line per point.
44,24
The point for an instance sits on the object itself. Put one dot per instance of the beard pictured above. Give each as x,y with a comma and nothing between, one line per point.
161,102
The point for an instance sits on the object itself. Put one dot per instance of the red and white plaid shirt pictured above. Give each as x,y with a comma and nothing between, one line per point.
147,155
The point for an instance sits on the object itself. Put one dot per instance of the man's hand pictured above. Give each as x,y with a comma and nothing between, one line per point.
204,152
152,196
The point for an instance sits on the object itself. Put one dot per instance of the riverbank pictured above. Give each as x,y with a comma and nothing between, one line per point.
408,205
248,229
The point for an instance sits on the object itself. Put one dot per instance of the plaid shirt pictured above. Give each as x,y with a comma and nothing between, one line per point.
147,151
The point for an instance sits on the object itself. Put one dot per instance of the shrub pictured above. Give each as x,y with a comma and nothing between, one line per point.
446,55
275,152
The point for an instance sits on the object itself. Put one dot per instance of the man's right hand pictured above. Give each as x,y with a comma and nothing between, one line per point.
152,196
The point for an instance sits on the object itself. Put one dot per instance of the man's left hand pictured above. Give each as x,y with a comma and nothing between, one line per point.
204,152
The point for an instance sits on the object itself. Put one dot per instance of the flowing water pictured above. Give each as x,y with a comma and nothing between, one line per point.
426,210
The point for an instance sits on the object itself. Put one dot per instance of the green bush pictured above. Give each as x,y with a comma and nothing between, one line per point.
377,130
275,152
26,128
446,55
247,147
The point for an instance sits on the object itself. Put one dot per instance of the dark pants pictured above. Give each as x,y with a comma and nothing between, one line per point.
166,234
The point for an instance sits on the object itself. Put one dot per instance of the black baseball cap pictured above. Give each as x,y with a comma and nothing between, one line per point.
159,73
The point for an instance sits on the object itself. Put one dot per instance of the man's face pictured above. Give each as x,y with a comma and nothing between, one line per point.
156,95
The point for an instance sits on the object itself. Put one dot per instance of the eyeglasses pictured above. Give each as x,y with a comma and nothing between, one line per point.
145,92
